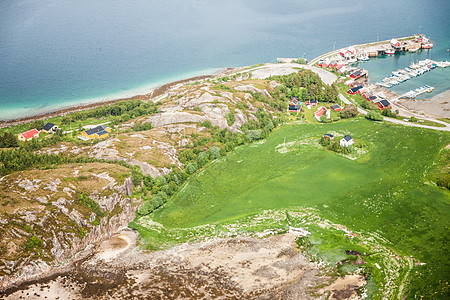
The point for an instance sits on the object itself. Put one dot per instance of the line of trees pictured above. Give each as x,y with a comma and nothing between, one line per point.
123,110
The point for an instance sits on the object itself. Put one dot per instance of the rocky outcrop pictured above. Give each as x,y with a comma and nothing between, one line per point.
63,244
213,115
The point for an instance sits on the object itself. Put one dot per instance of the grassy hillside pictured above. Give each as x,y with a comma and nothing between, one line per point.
382,190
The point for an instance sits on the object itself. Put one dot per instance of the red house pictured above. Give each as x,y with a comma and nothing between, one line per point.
320,112
353,90
294,106
336,107
383,104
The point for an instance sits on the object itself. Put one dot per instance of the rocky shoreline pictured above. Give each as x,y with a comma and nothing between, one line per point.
234,268
65,111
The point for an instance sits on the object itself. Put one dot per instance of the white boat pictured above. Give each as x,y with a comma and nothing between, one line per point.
413,49
390,51
363,56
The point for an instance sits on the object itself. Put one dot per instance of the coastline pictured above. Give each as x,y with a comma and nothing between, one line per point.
158,91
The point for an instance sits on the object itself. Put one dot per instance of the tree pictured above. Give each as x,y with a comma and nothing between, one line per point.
9,140
191,168
349,111
38,124
324,141
214,152
253,135
388,113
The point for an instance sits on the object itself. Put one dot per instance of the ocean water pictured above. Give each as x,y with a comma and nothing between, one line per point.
55,54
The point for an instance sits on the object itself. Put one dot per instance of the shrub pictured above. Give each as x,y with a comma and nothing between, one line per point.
349,111
202,159
89,202
253,135
137,176
142,127
206,124
224,87
34,242
374,116
242,105
146,208
214,152
324,141
191,168
388,113
230,118
444,181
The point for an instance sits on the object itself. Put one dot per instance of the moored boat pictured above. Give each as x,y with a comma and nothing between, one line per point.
390,51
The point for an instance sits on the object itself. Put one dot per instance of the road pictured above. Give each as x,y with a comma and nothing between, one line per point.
396,121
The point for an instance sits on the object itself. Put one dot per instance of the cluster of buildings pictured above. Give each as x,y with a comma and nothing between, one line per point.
342,61
49,128
296,106
379,100
98,132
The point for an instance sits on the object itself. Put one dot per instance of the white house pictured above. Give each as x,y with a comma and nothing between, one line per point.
346,141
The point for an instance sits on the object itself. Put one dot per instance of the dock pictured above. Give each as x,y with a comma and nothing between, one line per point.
364,51
414,70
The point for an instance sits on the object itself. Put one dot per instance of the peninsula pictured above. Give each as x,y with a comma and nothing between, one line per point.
273,180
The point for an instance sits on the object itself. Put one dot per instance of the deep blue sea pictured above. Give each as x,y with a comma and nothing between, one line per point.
55,54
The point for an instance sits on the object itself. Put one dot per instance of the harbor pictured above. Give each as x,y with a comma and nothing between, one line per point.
407,58
414,70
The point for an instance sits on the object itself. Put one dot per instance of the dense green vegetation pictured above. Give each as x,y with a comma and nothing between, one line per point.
121,111
91,204
8,140
156,192
115,113
306,85
142,127
374,116
383,191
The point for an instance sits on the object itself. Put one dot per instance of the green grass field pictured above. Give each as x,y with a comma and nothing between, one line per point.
384,193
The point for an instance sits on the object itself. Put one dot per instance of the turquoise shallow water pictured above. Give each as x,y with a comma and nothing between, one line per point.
59,53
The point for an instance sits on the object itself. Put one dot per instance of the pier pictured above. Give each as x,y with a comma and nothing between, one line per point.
414,70
386,47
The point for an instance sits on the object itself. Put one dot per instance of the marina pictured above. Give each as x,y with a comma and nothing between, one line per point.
414,70
421,90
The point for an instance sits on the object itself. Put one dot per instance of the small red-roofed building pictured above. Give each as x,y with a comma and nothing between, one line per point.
320,112
28,135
